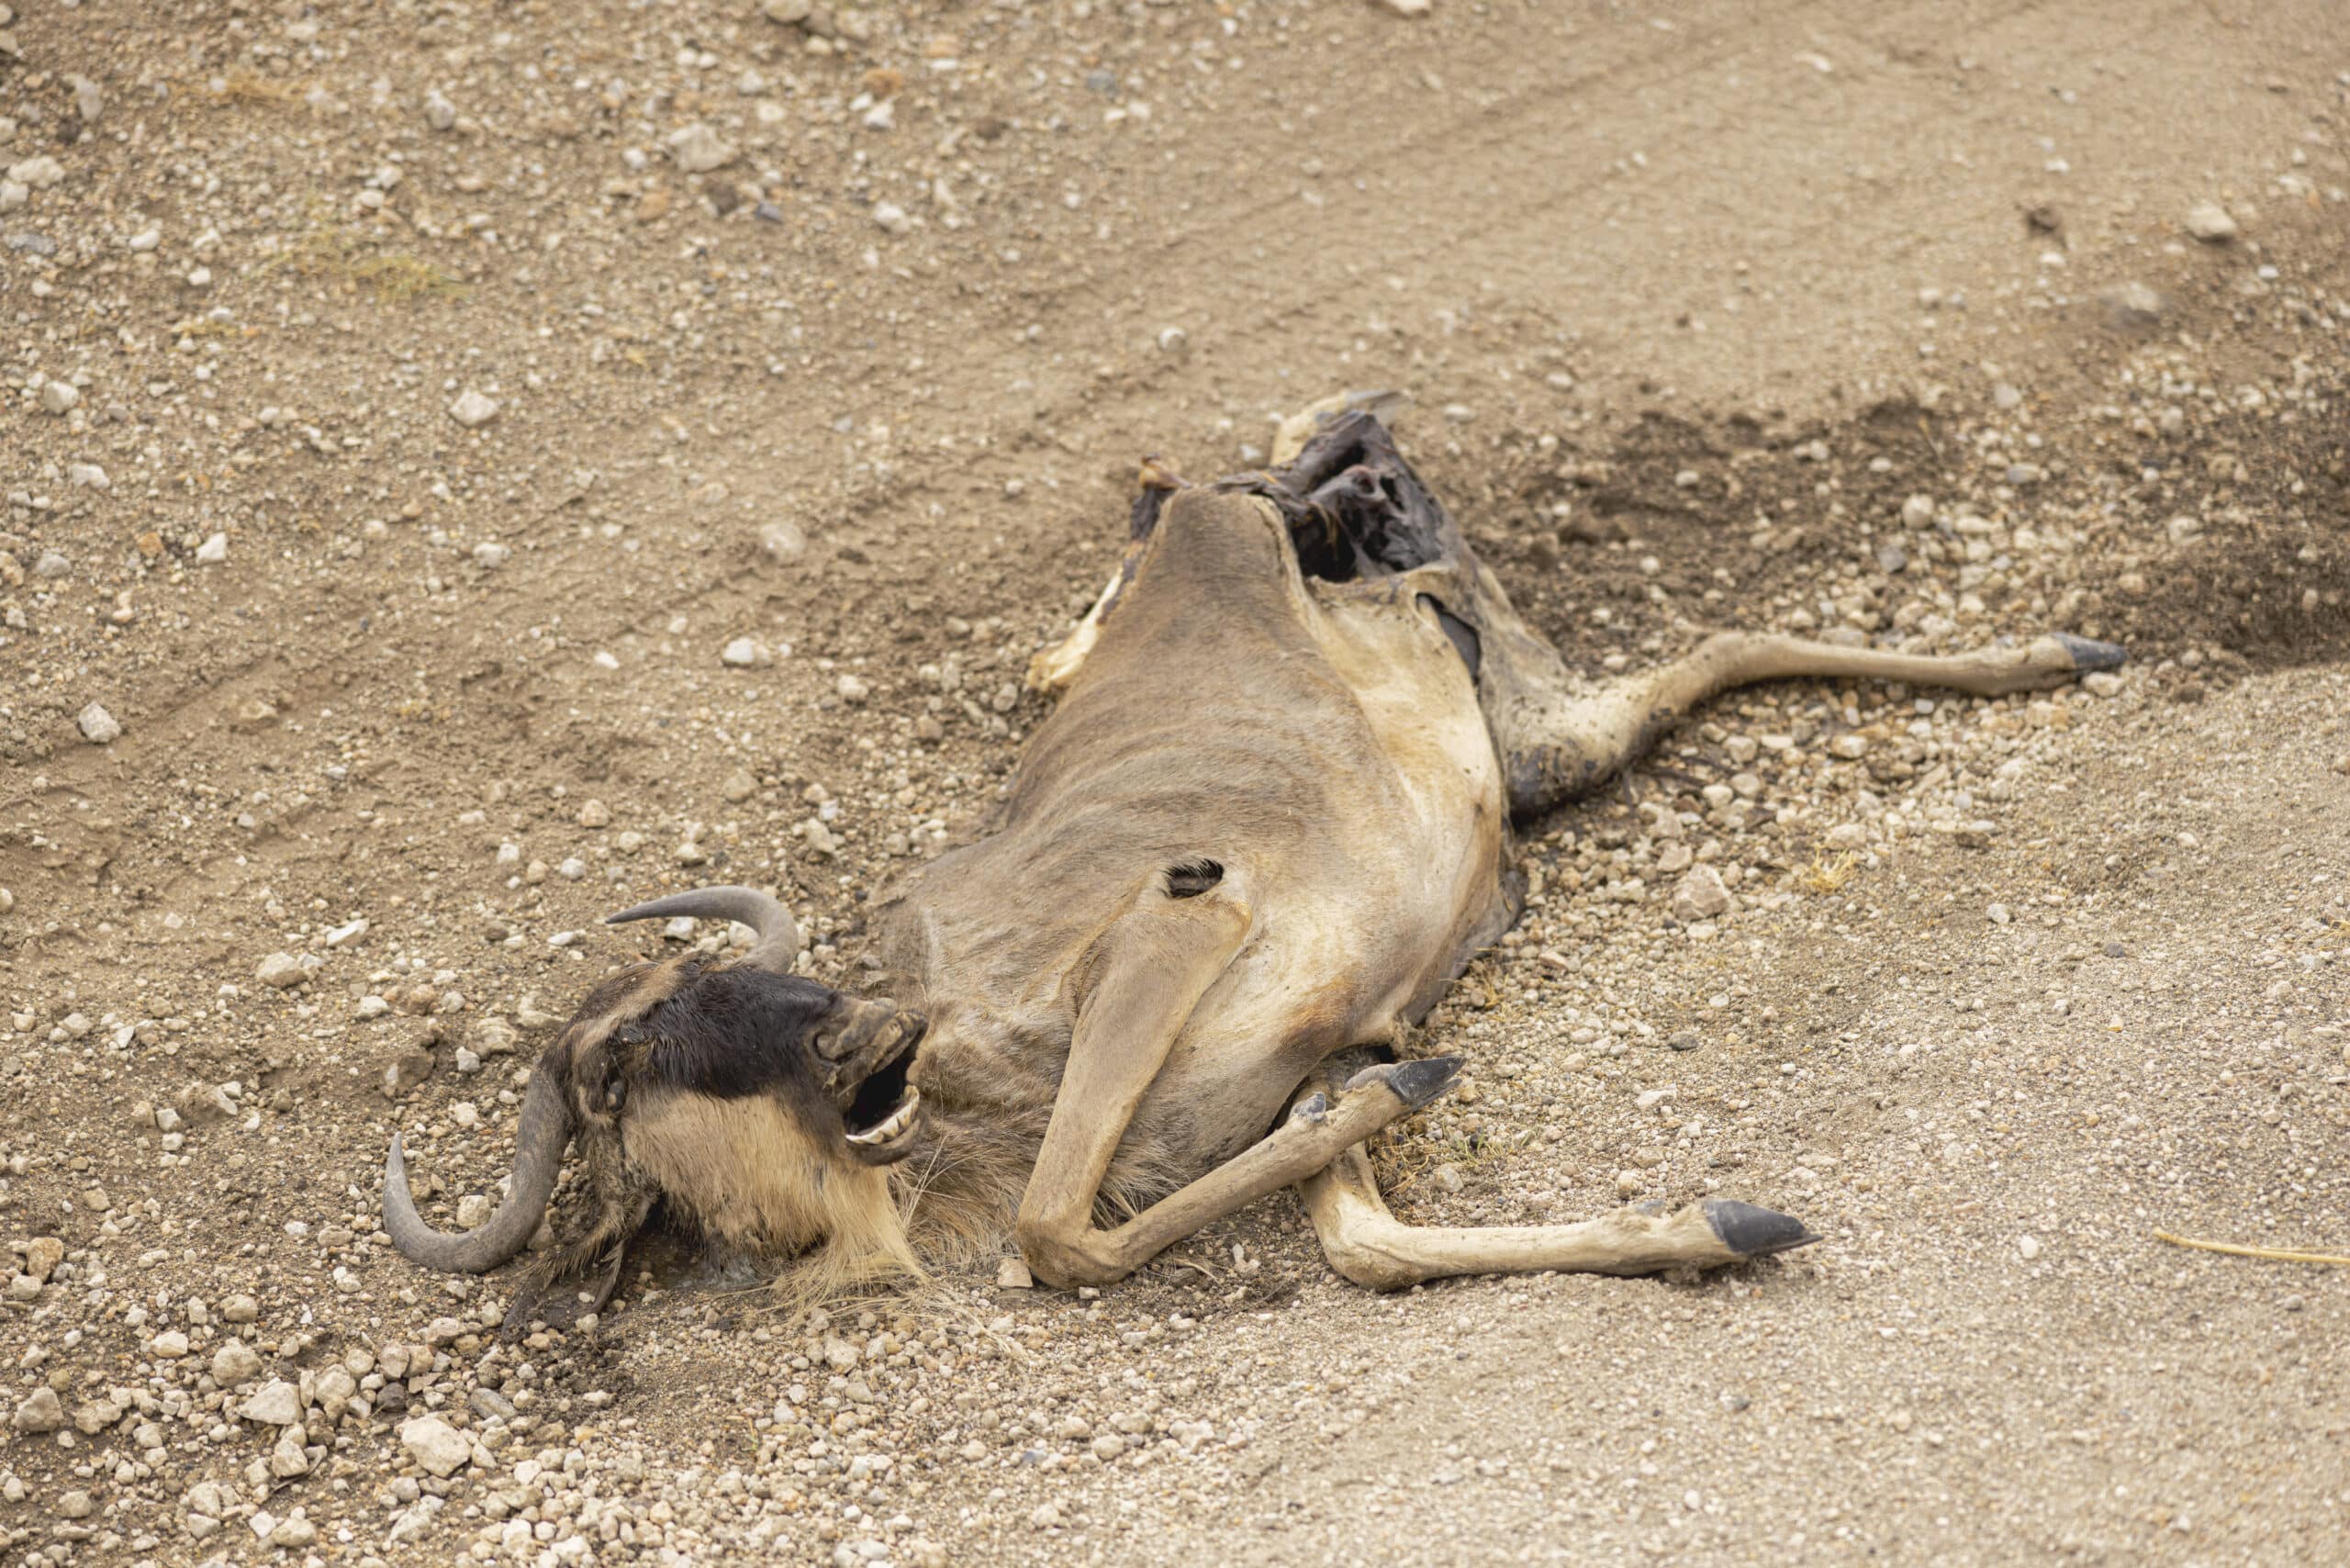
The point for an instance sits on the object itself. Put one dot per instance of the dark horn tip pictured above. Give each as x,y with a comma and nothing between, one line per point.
2090,655
1415,1082
1752,1231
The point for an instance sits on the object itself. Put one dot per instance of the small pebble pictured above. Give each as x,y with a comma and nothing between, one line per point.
472,410
2211,223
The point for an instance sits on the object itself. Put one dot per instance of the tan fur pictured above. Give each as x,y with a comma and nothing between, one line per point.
747,1174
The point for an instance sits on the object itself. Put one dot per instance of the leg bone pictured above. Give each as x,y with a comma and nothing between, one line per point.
1370,1246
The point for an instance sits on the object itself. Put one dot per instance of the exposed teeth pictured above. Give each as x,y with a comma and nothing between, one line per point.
899,1120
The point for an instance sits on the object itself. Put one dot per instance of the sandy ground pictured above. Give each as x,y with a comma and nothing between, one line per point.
467,468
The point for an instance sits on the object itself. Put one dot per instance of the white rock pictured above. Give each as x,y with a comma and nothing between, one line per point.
98,726
13,194
890,217
436,1445
698,149
1700,895
282,970
213,551
234,1364
491,554
87,476
36,173
742,652
439,112
786,542
2211,223
342,935
58,397
278,1404
2027,1247
40,1411
416,1520
472,410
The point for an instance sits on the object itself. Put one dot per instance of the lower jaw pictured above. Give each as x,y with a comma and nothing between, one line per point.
896,1150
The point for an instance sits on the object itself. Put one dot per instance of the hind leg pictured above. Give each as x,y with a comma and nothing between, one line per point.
1370,1246
1560,741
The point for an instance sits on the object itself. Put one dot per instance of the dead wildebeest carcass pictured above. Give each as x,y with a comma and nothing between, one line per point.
1267,825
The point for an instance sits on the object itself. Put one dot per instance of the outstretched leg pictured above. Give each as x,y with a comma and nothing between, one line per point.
1559,740
1372,1247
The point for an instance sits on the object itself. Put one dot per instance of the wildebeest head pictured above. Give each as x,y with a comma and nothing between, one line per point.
762,1106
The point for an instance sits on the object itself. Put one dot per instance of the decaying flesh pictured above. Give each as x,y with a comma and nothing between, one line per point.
1269,821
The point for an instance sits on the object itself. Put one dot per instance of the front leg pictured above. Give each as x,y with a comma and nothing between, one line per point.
1144,976
1316,1131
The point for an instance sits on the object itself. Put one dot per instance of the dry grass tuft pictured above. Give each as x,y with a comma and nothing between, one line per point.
394,277
1825,875
1398,1163
263,92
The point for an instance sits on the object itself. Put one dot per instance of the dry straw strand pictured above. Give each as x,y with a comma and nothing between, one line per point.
2235,1249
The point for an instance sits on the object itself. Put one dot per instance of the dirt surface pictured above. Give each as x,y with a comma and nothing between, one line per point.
467,468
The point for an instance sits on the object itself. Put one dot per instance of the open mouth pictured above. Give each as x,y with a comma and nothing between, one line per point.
882,1113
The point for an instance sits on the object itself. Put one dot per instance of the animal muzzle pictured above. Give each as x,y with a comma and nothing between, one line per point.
866,1058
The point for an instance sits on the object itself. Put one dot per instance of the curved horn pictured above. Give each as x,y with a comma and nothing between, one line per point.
540,1135
778,934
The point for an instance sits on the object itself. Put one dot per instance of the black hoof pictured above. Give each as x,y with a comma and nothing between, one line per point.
1415,1082
1754,1232
1314,1107
2090,655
